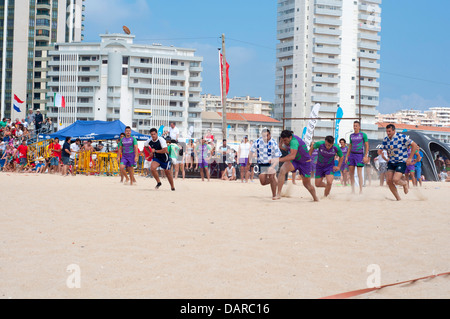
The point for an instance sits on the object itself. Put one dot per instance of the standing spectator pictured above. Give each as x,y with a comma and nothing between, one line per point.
243,151
65,156
74,149
383,160
38,121
30,117
174,132
55,153
3,123
224,153
23,150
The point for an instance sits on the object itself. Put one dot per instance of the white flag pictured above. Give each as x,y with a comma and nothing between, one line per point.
312,124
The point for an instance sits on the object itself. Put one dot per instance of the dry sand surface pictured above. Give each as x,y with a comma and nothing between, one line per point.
216,240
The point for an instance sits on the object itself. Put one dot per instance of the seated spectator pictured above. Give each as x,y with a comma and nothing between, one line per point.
229,174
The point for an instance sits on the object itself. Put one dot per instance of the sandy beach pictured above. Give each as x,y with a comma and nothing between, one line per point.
216,239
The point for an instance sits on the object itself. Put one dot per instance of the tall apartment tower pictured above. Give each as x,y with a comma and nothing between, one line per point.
321,45
28,29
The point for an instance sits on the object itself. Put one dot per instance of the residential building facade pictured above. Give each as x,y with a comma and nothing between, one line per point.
144,86
28,28
239,125
323,47
435,116
245,104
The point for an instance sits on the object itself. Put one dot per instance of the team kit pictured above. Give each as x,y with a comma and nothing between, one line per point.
314,162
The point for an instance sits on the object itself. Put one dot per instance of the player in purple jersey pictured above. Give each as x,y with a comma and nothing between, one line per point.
129,154
344,167
327,150
297,159
357,155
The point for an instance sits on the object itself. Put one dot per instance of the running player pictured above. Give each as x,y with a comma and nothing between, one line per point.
327,150
161,158
397,147
267,156
297,159
357,155
128,152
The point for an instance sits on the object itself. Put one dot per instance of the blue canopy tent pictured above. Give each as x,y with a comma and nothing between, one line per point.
94,130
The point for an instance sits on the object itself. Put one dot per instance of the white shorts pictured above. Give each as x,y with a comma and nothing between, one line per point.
174,161
147,164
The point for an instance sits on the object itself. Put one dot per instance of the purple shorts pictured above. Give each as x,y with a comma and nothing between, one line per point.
344,166
322,171
128,160
356,159
203,163
304,168
243,161
410,168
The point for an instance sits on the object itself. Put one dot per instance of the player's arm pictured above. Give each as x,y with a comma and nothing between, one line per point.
341,159
411,155
366,148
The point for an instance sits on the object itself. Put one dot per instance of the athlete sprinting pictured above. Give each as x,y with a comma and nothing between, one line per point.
129,153
327,150
267,154
357,155
397,147
298,159
161,158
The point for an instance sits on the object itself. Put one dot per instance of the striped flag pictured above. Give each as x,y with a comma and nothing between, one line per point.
58,100
17,103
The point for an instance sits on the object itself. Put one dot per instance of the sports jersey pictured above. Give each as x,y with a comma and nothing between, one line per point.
357,141
128,144
397,147
265,151
159,144
302,150
325,157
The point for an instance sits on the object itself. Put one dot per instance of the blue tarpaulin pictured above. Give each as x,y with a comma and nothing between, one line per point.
94,130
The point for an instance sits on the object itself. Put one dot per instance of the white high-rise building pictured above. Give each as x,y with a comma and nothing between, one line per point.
144,86
28,28
321,43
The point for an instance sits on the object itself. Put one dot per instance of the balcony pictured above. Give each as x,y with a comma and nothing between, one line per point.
328,41
325,99
326,60
327,31
327,50
369,45
328,12
327,21
372,84
318,79
367,55
325,70
369,36
325,89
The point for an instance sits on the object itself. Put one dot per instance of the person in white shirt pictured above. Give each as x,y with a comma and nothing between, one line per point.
174,132
243,151
382,160
74,148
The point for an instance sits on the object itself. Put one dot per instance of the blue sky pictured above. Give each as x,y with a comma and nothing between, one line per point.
414,61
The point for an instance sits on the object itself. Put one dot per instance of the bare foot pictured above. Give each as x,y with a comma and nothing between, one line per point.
406,188
278,197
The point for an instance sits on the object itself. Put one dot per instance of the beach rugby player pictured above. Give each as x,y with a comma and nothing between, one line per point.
267,154
160,153
128,153
298,159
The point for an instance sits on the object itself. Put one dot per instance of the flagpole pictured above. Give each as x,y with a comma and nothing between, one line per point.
224,90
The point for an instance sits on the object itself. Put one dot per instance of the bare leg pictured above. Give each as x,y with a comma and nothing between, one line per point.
360,179
351,172
307,183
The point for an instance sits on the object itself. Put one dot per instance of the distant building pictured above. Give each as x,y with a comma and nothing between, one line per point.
143,86
435,116
28,29
440,133
246,104
240,125
323,46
